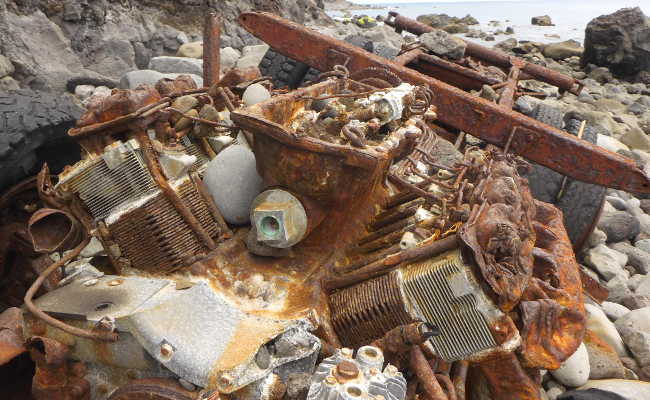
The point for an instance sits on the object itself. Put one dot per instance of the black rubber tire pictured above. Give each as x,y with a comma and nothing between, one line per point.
284,71
581,203
33,130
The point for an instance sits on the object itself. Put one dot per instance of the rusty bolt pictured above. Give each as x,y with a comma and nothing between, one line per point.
279,218
166,350
115,282
347,369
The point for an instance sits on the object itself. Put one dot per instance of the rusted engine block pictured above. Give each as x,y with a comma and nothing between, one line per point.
369,228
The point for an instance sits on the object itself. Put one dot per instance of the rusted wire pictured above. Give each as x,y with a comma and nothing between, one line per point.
354,135
334,96
38,313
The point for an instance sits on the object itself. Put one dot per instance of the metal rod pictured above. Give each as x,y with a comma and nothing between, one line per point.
171,195
390,262
459,377
427,378
211,49
40,314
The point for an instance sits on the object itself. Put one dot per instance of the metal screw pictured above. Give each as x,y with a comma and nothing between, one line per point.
347,369
90,282
115,282
166,350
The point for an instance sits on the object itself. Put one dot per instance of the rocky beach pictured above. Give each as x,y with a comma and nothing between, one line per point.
79,51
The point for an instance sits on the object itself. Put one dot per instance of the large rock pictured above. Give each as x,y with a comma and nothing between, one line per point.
599,324
191,50
628,389
619,226
637,258
609,263
134,79
178,65
603,359
232,180
562,50
633,322
252,56
639,344
443,44
619,41
614,311
635,138
575,370
542,20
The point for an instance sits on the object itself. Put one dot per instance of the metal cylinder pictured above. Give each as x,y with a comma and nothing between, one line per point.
279,218
52,230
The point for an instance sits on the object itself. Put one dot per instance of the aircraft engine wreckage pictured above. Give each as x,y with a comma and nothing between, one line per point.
374,259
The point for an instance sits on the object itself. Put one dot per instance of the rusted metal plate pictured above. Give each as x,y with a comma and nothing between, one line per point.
532,139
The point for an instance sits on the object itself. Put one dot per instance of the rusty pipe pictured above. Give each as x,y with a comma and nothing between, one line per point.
491,56
427,378
38,313
390,262
52,230
459,377
448,386
211,49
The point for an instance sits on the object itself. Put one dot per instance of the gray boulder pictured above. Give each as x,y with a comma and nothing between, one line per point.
619,226
619,41
179,65
133,79
232,180
443,44
563,50
636,257
607,262
614,311
575,370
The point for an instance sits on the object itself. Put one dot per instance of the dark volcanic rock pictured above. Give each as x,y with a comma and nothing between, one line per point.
543,20
51,42
619,41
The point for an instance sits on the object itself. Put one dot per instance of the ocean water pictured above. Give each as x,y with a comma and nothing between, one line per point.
569,16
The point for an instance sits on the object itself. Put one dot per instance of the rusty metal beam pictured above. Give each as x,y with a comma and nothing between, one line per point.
211,49
452,73
492,57
529,138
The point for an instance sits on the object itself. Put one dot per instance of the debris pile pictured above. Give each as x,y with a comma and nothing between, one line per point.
370,235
